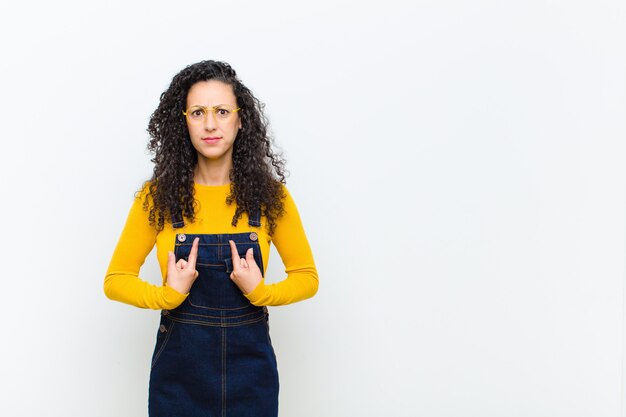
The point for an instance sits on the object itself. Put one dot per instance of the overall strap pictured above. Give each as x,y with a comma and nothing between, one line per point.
254,218
177,221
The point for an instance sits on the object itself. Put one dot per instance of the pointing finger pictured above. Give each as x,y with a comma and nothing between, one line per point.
235,254
193,254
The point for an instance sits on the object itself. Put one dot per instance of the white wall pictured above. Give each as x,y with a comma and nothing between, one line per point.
459,167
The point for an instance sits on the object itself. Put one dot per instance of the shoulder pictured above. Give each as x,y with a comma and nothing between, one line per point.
281,208
285,195
283,189
289,207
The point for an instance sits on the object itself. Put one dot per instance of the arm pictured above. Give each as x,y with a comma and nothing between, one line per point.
292,245
122,282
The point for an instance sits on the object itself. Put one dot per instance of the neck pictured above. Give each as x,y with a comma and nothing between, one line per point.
212,172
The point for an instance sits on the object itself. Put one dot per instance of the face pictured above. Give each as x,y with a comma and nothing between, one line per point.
214,136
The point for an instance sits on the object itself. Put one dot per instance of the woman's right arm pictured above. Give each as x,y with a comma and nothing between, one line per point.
122,282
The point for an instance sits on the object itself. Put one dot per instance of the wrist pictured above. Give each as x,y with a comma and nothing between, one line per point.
171,297
257,292
180,290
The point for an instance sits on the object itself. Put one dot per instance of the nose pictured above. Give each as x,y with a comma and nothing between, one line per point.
210,121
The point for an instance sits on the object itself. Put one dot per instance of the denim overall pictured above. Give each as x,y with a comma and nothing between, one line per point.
213,355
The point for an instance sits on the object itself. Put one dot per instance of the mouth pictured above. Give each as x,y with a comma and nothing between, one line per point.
210,139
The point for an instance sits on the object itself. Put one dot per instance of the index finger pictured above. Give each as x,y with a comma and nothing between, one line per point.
234,253
193,254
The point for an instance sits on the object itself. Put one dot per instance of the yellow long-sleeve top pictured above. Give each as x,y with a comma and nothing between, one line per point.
213,215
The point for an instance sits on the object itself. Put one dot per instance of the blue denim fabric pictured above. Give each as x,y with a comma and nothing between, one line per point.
213,355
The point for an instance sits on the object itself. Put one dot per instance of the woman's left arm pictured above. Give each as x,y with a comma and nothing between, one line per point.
294,250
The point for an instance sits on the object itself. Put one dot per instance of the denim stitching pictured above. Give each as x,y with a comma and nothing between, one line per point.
219,244
204,323
167,338
214,308
205,264
216,244
242,317
223,372
221,317
244,241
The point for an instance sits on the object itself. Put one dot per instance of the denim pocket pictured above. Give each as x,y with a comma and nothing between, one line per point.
163,335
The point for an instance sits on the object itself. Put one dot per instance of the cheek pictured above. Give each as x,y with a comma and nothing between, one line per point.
194,132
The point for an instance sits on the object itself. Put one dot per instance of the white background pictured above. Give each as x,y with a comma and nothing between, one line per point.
458,166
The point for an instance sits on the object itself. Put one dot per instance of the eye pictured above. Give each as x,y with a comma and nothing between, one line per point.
222,111
197,113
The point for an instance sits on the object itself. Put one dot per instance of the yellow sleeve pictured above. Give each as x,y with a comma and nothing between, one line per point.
122,282
292,245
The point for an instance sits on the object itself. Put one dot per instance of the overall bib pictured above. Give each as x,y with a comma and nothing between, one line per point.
213,355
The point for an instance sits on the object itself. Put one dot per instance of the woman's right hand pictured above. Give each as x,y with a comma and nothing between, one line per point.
182,274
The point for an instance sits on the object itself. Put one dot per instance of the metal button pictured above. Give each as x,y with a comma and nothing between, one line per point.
254,236
162,328
166,312
182,237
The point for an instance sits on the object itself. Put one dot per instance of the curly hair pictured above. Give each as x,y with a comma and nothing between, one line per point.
257,172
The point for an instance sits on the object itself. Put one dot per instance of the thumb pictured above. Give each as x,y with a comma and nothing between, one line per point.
250,257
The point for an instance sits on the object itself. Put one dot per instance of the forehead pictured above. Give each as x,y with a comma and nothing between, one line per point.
211,93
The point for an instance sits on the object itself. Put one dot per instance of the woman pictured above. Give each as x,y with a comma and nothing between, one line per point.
214,203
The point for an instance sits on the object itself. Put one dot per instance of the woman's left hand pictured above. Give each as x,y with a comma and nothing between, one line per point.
246,273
